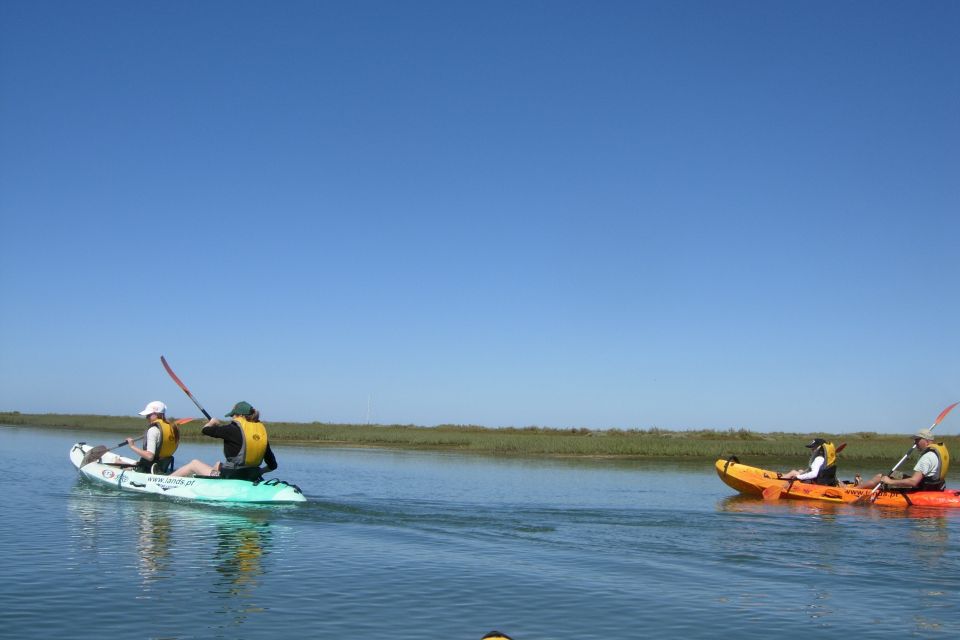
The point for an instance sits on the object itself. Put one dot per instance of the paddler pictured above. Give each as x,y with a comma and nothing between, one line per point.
159,443
928,473
245,447
822,468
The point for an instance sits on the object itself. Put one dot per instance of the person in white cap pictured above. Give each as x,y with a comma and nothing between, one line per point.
928,473
159,443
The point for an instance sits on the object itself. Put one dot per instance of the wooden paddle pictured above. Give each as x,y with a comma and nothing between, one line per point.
872,496
183,386
774,491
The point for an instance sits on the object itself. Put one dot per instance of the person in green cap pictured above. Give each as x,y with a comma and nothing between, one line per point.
245,447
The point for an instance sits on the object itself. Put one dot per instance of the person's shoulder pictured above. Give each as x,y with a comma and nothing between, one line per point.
228,427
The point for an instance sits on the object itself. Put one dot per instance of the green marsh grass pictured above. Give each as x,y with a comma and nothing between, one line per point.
527,441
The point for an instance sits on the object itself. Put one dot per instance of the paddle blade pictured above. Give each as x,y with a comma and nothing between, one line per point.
185,420
182,386
772,492
93,455
166,366
943,414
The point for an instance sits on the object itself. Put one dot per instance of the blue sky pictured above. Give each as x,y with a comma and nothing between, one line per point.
614,214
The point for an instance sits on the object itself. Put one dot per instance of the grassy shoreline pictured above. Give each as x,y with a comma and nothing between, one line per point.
528,441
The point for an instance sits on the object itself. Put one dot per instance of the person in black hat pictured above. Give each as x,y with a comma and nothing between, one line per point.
822,468
245,447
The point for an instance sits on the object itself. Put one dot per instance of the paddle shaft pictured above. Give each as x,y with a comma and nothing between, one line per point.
183,386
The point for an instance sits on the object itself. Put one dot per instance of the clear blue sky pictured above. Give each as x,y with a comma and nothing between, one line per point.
594,214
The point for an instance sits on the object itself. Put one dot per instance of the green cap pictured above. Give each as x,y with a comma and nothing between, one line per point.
240,409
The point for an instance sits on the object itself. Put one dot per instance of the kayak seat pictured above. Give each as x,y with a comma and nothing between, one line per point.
162,467
940,485
253,474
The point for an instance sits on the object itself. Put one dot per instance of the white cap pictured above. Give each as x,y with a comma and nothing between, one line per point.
154,407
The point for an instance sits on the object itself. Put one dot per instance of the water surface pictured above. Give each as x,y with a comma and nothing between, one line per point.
399,545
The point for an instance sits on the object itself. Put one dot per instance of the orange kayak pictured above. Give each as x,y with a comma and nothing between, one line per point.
753,480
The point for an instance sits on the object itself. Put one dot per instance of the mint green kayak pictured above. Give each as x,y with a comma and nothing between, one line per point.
115,471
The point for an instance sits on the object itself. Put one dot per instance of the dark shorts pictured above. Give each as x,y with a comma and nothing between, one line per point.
241,473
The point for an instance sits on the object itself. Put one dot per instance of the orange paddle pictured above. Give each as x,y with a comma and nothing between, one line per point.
183,386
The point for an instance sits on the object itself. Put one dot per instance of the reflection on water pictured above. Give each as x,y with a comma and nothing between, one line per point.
155,529
172,540
813,537
752,504
242,543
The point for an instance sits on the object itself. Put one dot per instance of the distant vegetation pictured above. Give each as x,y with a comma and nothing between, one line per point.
528,441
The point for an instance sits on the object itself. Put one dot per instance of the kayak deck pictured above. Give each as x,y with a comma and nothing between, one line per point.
754,480
115,471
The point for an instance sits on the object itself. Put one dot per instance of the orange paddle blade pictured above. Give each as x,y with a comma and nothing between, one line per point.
943,414
173,375
183,386
772,492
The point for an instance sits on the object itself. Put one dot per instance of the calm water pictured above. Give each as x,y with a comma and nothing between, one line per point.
396,545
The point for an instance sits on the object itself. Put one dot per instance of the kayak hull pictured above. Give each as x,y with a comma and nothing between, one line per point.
753,481
112,471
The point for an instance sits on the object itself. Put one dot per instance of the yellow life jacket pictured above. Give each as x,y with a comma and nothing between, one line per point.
169,438
941,452
828,471
830,454
254,443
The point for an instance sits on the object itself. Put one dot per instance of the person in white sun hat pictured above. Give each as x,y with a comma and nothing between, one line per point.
159,442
